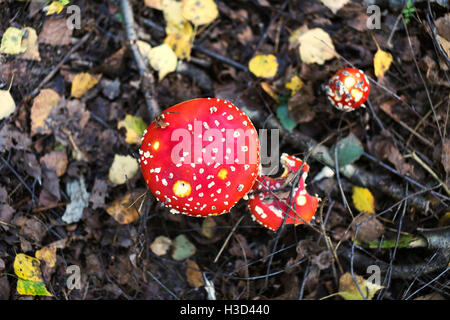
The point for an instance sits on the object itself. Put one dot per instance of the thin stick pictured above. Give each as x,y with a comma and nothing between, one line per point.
228,238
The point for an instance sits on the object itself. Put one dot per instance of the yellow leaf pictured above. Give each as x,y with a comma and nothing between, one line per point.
349,290
295,85
181,41
122,168
12,41
27,268
123,210
32,47
316,46
264,66
268,89
193,275
7,104
47,254
82,82
163,59
40,110
363,200
54,7
134,127
382,62
173,15
200,12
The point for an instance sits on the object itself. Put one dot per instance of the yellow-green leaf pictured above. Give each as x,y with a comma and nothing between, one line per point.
82,82
163,59
382,62
295,85
264,66
349,290
199,12
134,127
363,200
32,288
54,7
12,41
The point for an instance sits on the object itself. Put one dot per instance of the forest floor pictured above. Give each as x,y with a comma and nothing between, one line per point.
58,203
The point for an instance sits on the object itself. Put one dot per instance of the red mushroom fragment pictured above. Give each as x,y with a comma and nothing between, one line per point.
269,206
200,157
348,89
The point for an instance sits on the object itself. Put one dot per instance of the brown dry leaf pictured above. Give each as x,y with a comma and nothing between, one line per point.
98,193
161,245
56,33
445,158
124,210
30,41
41,109
82,83
371,228
47,254
56,160
443,32
193,275
30,228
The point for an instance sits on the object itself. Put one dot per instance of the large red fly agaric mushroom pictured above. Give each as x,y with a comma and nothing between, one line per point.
200,157
348,89
269,206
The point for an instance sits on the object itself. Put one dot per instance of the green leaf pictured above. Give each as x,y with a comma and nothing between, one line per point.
349,150
32,288
283,116
183,248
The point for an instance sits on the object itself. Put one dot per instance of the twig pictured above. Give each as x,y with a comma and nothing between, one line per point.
147,80
228,238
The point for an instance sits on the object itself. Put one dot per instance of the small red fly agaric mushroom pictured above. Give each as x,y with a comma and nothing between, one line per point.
269,206
348,89
200,157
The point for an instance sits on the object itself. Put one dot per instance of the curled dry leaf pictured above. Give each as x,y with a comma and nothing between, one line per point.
125,209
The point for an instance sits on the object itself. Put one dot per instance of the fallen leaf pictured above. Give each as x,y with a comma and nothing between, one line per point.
54,7
173,14
285,119
30,42
8,106
30,228
199,12
363,200
30,280
295,85
12,41
183,248
155,4
79,198
381,62
47,254
349,150
208,227
124,210
41,109
82,82
122,168
193,274
98,193
134,127
181,41
349,290
370,228
144,48
269,90
316,46
163,59
56,160
55,32
264,66
335,5
160,245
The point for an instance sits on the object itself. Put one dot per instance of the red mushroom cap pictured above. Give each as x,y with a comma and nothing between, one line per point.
348,89
200,157
269,210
